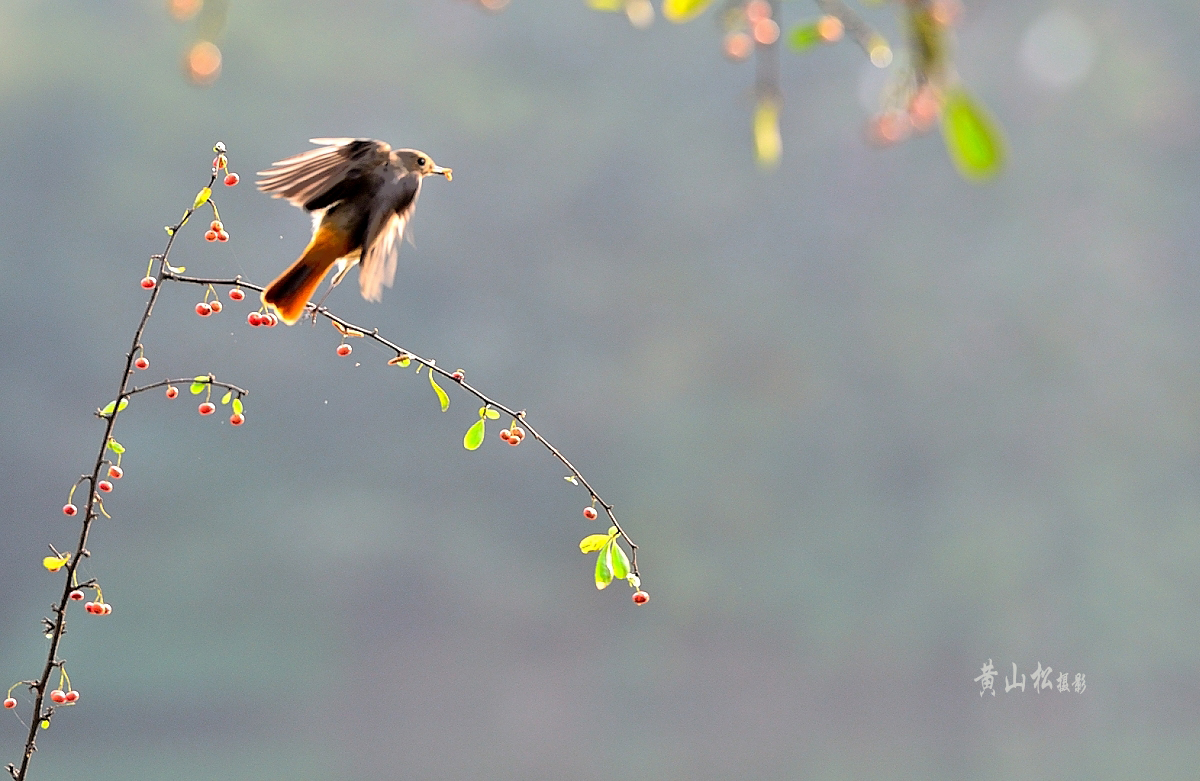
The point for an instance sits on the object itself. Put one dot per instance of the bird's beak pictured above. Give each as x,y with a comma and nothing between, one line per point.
446,172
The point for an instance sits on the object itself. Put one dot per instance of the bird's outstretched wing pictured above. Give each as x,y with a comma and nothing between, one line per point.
304,178
386,226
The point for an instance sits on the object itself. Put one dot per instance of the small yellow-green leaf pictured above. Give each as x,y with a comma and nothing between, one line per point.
593,542
634,581
201,197
55,563
228,395
198,385
768,145
443,399
109,408
604,574
619,562
972,138
571,479
606,5
45,724
170,231
474,436
613,531
115,446
680,11
237,406
804,36
489,413
124,403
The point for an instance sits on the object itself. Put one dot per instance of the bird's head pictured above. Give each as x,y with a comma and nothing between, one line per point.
421,163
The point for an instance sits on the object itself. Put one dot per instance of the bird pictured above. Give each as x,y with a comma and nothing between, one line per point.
361,194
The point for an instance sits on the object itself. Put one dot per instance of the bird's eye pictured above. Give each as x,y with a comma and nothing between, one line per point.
420,161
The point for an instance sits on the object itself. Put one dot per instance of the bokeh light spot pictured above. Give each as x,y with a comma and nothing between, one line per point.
1058,50
203,62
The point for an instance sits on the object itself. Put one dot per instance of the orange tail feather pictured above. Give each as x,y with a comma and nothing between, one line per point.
292,289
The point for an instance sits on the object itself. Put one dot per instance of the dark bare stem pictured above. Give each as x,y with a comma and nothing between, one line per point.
374,336
58,624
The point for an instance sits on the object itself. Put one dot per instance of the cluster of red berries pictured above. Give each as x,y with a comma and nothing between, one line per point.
98,608
216,231
59,696
263,318
206,308
512,436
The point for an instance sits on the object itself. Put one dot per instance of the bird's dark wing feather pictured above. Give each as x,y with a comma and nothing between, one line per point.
305,178
392,209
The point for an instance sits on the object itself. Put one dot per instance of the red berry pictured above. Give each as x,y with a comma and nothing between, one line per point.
72,696
216,225
142,362
70,509
236,294
219,161
232,179
505,434
222,236
106,608
148,282
58,695
519,433
75,595
215,305
104,486
269,319
90,607
210,235
172,391
208,408
344,349
457,376
589,513
237,419
513,439
115,472
203,309
640,597
254,318
10,703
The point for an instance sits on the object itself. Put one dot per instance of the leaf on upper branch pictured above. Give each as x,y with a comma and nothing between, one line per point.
618,561
237,406
443,399
593,542
115,446
201,197
972,137
199,384
474,436
344,331
604,573
112,406
680,11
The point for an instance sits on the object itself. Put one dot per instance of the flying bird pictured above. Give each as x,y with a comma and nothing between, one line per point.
361,193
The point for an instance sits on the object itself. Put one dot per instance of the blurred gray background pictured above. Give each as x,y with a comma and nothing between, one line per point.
871,425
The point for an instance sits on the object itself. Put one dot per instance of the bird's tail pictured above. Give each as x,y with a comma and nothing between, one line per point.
292,289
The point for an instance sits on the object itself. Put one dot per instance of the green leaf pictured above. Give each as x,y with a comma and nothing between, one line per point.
804,36
593,542
124,403
680,11
972,137
109,408
443,399
604,573
474,436
201,197
489,413
228,395
237,406
115,446
198,385
619,562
